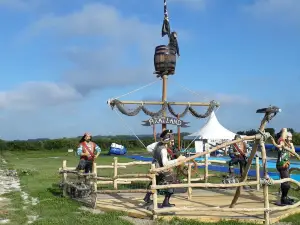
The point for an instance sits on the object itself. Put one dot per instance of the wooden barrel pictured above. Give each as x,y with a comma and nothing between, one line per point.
164,59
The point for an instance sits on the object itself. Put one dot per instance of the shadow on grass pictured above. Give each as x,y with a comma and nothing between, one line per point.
55,190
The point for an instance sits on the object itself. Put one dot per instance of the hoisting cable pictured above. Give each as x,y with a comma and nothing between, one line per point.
138,89
128,127
193,92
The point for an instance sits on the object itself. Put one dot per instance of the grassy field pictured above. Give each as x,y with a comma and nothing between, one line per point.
38,172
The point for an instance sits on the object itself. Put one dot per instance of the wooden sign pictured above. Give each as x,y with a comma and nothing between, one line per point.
165,120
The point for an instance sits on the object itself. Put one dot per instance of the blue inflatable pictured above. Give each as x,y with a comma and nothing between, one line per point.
116,149
272,147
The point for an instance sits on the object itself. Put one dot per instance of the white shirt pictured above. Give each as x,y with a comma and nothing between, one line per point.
165,160
163,154
151,147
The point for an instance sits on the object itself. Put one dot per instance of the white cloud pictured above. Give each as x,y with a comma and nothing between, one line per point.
20,4
16,4
276,10
107,65
34,95
223,98
97,20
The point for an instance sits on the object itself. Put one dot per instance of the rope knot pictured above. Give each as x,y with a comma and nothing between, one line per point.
265,135
268,210
266,181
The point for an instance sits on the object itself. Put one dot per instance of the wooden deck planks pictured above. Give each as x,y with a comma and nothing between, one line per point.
133,205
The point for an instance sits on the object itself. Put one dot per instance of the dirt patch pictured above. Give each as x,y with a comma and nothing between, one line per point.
4,210
135,221
9,182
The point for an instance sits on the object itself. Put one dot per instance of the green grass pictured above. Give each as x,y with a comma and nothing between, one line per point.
38,173
39,182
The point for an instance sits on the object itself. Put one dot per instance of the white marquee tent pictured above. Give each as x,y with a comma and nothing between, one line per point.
211,134
212,131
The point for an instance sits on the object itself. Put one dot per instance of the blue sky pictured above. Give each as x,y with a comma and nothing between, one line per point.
62,60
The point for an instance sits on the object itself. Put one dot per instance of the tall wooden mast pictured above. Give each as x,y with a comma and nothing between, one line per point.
164,98
165,64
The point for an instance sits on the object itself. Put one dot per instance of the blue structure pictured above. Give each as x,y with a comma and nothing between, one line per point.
271,164
272,147
117,150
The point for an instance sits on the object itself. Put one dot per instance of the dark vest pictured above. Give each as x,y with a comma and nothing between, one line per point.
157,154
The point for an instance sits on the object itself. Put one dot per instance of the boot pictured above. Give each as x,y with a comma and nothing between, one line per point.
286,201
291,200
166,202
147,198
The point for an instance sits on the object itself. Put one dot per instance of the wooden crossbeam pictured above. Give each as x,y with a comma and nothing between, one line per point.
171,103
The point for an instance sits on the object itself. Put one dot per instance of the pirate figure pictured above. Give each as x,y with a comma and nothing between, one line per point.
162,158
173,43
172,47
238,156
88,152
166,30
283,163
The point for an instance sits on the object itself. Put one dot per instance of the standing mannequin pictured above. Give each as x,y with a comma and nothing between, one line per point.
284,145
238,156
161,158
88,152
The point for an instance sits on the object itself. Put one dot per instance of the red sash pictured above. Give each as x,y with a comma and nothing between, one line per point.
238,149
86,148
280,140
171,153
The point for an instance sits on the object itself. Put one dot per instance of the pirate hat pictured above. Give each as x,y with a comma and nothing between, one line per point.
84,135
167,136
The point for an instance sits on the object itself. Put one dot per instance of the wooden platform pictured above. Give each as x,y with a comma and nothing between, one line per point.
134,206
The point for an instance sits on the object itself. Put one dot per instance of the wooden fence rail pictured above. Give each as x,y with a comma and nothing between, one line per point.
151,176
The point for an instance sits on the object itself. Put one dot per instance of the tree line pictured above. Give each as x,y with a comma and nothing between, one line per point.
104,142
72,143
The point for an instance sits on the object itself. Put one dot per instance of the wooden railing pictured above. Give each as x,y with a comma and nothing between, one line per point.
118,178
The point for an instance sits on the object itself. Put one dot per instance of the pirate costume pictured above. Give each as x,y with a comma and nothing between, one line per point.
238,156
161,159
87,151
173,43
283,165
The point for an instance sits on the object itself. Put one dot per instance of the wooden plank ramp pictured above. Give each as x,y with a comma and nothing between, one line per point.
133,205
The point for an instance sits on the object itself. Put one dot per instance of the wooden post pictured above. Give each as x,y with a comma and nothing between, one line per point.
154,132
189,181
257,173
178,134
64,167
95,176
206,168
248,166
115,173
154,191
265,186
164,98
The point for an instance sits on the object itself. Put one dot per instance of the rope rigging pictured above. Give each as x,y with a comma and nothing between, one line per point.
138,89
117,103
130,129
